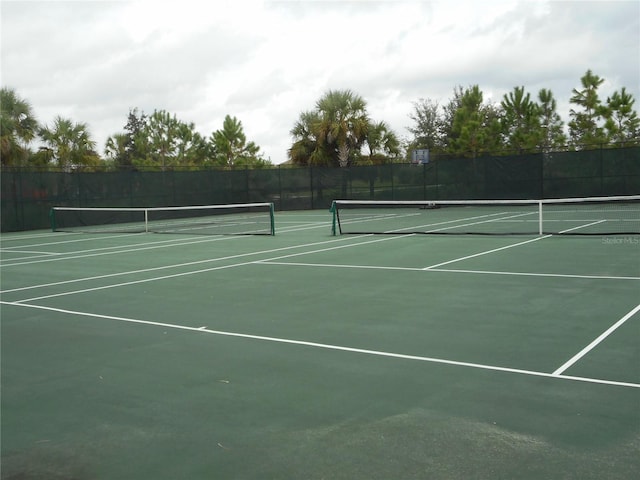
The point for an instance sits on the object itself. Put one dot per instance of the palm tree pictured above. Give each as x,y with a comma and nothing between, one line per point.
116,150
18,127
333,133
69,143
382,142
307,150
343,123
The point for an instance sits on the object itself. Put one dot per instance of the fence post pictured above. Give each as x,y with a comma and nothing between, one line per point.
247,184
78,186
436,168
280,186
18,200
311,185
424,181
393,184
543,161
601,169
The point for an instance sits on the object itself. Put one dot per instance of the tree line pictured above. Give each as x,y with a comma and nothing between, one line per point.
467,126
338,131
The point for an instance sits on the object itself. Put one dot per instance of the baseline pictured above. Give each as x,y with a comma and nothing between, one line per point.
329,346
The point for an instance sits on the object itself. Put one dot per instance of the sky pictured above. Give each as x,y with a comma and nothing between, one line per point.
267,61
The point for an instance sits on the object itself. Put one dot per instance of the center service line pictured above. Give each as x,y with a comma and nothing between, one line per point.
485,252
593,344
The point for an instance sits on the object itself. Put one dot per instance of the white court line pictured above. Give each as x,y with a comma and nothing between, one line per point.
76,240
21,236
372,218
45,254
133,282
531,274
492,220
94,237
322,223
582,226
446,270
338,265
134,248
197,262
593,344
328,346
456,221
485,252
509,246
176,265
97,252
211,269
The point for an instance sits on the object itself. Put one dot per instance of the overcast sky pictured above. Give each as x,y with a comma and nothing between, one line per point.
266,61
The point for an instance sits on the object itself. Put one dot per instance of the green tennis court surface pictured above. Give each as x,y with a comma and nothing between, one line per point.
310,356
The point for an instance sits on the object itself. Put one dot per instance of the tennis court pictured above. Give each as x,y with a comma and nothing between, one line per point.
306,355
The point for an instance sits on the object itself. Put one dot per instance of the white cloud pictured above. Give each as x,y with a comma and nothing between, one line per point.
266,61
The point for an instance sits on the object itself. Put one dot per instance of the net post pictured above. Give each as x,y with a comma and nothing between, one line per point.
272,218
146,220
540,222
333,220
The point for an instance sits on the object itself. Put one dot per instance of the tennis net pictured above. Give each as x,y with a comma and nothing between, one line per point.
232,219
569,216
